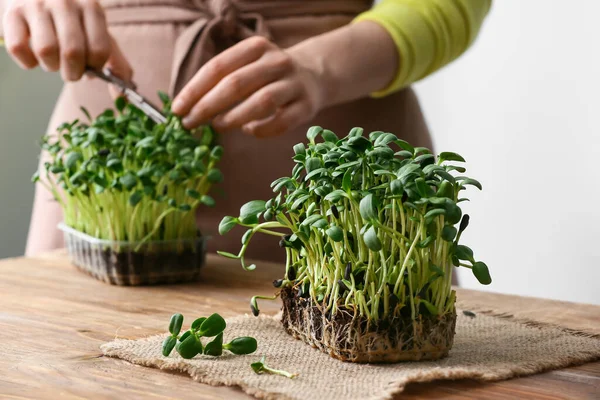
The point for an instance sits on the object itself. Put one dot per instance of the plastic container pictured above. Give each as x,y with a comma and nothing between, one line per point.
117,262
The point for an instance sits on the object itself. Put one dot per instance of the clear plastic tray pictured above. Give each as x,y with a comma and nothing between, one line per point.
118,262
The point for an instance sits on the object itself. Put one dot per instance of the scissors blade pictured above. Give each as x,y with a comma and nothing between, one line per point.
131,94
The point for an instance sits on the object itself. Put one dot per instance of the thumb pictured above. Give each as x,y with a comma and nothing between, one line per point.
119,66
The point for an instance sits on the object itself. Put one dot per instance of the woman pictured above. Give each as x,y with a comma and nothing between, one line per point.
255,69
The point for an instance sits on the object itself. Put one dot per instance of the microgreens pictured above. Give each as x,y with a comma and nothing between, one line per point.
261,367
372,225
123,177
189,344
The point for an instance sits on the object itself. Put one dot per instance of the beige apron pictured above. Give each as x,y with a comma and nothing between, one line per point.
167,41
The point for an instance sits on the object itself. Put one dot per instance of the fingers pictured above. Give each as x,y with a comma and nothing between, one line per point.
98,41
243,53
59,34
260,105
284,119
235,87
70,34
44,42
119,66
17,39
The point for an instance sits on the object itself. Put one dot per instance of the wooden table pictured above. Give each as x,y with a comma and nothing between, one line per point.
53,319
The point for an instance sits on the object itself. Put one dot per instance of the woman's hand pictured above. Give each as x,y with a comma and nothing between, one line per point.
254,86
65,35
266,91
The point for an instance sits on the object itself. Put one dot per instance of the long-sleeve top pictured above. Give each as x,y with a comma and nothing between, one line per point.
428,33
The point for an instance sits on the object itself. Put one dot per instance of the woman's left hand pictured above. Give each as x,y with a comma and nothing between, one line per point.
254,86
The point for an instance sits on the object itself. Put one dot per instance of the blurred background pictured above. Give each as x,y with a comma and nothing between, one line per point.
518,106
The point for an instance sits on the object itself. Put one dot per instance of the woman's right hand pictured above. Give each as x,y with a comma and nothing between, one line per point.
65,35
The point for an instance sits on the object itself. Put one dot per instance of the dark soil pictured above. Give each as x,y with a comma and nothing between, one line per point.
149,266
352,338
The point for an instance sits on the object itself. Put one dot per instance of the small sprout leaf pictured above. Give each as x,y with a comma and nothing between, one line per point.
175,324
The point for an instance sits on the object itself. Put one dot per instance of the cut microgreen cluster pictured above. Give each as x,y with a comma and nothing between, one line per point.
189,344
373,225
261,367
123,177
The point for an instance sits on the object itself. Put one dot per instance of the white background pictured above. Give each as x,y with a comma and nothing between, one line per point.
521,106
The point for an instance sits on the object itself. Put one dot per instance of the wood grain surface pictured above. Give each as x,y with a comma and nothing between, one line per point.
53,319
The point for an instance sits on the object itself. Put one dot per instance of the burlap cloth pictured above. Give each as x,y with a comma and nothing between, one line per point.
485,348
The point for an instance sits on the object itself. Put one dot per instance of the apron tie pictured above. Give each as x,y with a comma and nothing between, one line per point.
215,25
220,25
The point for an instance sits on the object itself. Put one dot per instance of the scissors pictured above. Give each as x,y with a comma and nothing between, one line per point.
128,90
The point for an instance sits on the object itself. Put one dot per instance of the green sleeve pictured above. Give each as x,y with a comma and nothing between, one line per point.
428,33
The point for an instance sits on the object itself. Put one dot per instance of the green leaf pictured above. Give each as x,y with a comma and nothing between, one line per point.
357,131
192,193
482,273
423,188
425,159
396,187
311,220
313,132
334,196
214,176
146,143
359,143
212,326
252,209
228,255
242,345
216,153
453,213
445,175
185,335
72,159
371,239
207,200
168,345
472,182
368,208
190,347
135,198
463,252
129,181
299,202
185,207
227,224
197,323
405,146
215,348
312,174
385,139
431,214
449,156
403,154
335,233
445,190
329,136
175,324
312,163
408,170
120,103
448,233
299,148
